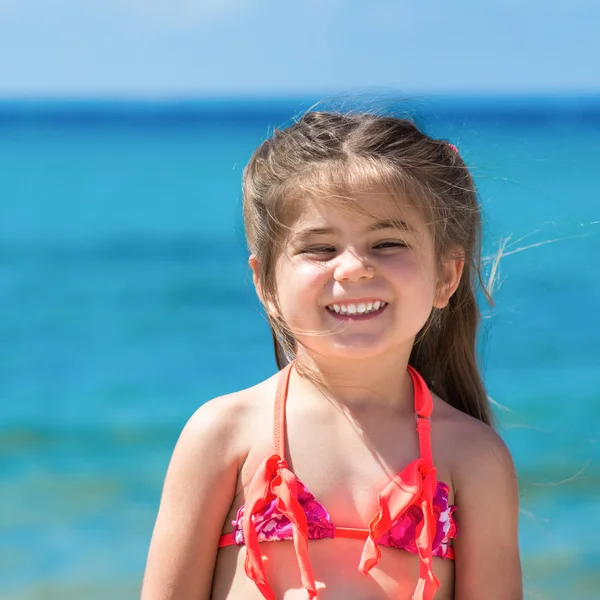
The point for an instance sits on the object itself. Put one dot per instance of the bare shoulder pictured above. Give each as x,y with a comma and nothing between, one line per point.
199,488
486,494
226,422
222,415
476,448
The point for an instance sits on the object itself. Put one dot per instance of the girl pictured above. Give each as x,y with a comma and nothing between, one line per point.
367,467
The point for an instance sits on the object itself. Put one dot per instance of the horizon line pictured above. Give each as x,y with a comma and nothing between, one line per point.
533,108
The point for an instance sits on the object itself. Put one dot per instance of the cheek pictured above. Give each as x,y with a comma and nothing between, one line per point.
305,278
300,283
416,278
312,276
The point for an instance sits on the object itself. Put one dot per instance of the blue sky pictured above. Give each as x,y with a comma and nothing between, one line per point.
257,48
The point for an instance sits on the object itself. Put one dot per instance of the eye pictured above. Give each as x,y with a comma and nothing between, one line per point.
319,250
391,244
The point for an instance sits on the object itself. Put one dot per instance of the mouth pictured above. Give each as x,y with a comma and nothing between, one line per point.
358,311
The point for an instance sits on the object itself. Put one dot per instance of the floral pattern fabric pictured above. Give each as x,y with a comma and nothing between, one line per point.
271,525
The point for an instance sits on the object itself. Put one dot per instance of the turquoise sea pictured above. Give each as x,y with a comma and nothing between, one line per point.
126,303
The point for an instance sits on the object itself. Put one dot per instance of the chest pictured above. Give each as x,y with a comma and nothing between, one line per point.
345,462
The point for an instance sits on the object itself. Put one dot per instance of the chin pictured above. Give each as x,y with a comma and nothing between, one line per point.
358,350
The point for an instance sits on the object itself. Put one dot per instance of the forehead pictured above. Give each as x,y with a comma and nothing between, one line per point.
367,210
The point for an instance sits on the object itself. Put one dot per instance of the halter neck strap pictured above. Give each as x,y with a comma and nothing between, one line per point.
280,401
423,410
423,404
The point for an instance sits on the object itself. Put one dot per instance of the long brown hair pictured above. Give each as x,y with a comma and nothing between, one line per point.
330,155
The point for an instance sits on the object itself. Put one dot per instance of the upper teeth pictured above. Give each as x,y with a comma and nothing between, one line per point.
361,308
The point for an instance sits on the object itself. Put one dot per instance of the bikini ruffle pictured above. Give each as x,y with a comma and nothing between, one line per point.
274,480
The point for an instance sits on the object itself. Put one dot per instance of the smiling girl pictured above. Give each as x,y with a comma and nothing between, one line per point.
367,467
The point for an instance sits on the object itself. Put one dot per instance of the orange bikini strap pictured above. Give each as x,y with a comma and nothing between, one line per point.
423,410
279,418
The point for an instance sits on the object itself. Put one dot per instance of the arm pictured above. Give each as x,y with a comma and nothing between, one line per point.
197,494
486,548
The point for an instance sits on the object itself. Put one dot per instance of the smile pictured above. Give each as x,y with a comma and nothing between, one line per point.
359,308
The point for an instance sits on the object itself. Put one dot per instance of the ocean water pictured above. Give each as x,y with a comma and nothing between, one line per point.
127,304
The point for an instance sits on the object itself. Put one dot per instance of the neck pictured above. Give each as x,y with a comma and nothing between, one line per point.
356,384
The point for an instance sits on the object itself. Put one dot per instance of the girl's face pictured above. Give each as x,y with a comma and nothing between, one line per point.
353,287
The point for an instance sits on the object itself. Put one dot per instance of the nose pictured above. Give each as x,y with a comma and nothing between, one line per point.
352,267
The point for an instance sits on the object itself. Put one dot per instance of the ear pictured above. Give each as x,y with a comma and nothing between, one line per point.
255,266
452,269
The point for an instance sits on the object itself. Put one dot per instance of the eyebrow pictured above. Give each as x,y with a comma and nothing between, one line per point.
376,226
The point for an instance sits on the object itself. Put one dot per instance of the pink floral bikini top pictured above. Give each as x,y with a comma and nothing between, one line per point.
413,515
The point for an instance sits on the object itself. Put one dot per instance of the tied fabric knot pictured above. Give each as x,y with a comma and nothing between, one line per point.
415,485
274,481
426,469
